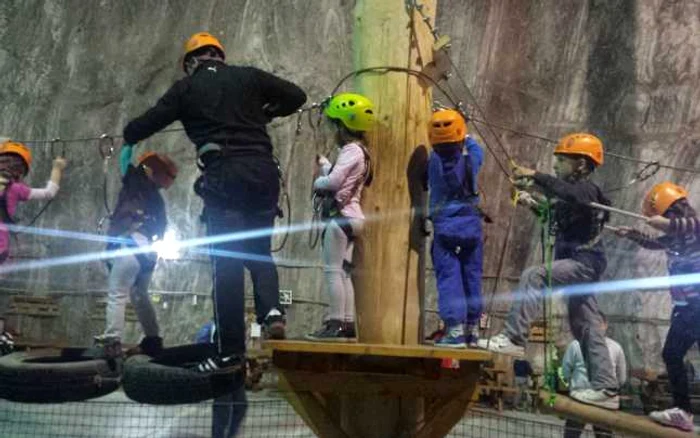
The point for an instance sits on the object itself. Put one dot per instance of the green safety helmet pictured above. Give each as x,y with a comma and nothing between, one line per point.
355,111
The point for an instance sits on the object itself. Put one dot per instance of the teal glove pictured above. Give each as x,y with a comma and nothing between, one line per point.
125,157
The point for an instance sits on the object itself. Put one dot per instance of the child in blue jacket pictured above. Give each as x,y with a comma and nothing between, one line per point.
457,249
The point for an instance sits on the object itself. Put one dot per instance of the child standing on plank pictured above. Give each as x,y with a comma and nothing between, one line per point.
138,220
578,258
341,187
668,210
15,162
457,249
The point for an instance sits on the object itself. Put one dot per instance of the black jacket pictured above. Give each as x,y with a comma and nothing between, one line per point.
140,207
223,104
577,225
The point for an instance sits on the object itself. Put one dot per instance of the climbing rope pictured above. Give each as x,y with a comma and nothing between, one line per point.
550,356
106,154
644,174
61,153
457,105
285,201
418,7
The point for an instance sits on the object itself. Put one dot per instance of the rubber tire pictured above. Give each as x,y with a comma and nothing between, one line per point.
55,375
167,380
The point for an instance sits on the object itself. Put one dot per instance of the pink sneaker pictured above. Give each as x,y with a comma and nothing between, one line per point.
674,417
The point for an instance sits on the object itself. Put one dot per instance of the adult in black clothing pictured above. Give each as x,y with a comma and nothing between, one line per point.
224,110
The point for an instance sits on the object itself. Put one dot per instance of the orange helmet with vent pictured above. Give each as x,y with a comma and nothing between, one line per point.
583,144
661,197
447,126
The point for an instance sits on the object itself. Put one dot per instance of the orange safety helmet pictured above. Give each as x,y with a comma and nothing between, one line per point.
14,147
164,169
447,126
661,197
199,40
580,143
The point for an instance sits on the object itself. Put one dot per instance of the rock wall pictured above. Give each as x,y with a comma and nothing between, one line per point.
626,70
72,71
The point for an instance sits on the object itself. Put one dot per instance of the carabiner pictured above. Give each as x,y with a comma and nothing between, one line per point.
651,169
62,150
300,113
106,140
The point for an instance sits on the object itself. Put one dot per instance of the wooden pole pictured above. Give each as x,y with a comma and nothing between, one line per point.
618,421
389,285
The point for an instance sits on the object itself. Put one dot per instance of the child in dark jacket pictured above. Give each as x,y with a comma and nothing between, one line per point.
578,258
138,220
668,210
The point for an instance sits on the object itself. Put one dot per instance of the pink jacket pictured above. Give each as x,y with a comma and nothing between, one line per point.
346,179
16,193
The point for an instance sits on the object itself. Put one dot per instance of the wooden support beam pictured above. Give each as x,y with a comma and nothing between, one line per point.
618,421
312,411
444,418
372,384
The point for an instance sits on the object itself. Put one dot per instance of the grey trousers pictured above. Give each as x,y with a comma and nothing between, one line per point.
585,318
337,253
126,279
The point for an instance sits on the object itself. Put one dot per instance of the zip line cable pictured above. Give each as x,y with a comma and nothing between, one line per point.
419,7
420,74
521,133
436,36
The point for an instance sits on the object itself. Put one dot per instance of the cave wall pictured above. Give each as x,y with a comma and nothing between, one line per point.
625,70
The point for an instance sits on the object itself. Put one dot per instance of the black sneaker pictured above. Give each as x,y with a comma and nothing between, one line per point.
105,347
221,364
275,327
149,345
332,331
349,331
7,343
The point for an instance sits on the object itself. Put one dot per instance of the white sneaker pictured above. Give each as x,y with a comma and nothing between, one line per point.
674,417
597,397
501,344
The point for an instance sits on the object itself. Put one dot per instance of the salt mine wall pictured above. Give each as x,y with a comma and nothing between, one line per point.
622,69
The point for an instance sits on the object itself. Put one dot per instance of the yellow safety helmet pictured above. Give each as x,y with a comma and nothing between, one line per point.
14,147
354,111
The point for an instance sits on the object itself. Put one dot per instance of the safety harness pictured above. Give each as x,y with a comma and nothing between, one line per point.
329,207
5,215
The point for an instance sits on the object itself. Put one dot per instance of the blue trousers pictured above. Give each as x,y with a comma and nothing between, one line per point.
228,412
458,265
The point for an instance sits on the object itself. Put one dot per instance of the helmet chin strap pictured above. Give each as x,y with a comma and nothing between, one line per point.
193,63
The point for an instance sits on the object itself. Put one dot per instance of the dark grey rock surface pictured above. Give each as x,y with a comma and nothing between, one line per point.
625,70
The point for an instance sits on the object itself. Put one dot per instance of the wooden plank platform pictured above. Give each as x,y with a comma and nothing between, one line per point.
334,385
408,351
29,305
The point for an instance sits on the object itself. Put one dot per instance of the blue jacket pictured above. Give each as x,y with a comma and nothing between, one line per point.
448,184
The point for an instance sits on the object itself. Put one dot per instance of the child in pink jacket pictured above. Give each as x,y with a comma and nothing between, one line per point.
15,162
